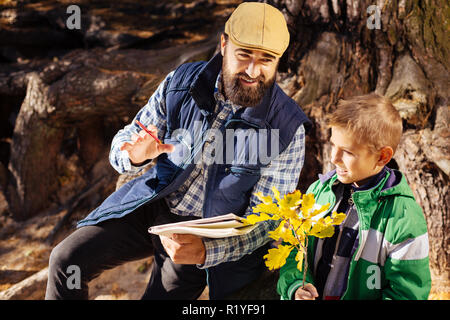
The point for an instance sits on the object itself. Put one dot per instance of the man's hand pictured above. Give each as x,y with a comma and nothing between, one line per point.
184,248
143,147
308,292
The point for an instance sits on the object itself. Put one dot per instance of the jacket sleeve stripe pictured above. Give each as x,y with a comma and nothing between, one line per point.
377,249
411,249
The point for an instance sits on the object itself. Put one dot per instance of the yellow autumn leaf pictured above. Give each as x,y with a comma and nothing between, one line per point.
266,208
291,200
276,193
288,213
277,233
254,218
305,227
325,233
264,199
283,232
338,218
307,204
322,230
295,223
320,210
328,220
318,226
276,258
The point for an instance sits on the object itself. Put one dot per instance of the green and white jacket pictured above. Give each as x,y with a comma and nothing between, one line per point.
391,261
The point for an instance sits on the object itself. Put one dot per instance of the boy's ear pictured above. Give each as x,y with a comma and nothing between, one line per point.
386,155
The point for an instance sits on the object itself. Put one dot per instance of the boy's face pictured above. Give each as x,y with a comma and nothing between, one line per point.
355,162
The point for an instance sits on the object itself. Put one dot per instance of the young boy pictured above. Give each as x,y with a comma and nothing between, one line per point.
380,251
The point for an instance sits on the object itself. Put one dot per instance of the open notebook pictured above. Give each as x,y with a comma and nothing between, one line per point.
228,225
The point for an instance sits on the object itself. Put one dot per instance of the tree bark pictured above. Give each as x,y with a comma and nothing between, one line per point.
73,104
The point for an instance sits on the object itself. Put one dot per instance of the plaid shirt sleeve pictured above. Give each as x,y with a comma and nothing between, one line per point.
154,112
283,173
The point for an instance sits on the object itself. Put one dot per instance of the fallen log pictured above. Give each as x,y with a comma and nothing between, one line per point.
31,288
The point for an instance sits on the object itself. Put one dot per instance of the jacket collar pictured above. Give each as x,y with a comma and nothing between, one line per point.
325,177
202,88
202,91
394,178
366,201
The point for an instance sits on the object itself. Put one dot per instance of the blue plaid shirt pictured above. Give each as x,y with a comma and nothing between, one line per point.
282,172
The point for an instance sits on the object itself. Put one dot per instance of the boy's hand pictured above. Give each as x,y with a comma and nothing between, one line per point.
184,248
144,147
308,292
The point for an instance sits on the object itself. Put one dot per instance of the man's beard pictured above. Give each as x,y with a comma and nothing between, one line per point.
237,93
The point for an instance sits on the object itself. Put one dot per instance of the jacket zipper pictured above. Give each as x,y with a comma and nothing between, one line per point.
358,251
363,238
334,257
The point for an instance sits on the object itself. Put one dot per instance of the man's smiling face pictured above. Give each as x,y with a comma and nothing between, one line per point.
246,74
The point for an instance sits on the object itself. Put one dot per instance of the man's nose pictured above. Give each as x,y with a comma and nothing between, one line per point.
253,70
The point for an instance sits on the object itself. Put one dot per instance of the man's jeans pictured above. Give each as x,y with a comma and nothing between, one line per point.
93,249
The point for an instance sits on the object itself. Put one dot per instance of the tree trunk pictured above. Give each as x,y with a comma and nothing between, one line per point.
336,53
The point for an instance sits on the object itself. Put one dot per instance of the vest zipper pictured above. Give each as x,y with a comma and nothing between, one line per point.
244,170
244,121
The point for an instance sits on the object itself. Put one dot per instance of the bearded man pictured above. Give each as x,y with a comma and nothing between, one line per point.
235,90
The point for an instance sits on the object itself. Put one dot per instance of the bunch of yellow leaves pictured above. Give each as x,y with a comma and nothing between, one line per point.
300,217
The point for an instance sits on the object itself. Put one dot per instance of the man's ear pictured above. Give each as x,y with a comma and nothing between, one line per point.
223,43
386,155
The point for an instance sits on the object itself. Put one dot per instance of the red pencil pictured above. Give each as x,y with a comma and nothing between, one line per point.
148,131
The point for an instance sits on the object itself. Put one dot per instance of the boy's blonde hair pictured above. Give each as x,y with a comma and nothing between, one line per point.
371,118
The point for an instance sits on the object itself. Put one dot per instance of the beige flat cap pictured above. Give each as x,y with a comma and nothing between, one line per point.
260,26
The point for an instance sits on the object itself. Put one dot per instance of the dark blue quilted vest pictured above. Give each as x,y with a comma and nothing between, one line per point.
190,102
